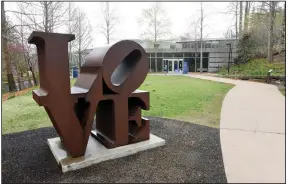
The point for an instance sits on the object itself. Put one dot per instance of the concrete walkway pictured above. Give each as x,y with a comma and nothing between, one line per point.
252,132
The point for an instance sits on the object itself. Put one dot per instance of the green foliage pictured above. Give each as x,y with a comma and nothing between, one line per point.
255,67
177,97
246,48
254,44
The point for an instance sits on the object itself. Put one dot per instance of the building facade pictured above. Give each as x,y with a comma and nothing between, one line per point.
175,55
215,54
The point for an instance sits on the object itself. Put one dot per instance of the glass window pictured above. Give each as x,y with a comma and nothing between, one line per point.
167,54
205,54
178,54
180,64
159,54
215,44
187,54
208,45
192,45
175,65
185,45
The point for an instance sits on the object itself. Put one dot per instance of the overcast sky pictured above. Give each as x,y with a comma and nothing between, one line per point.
181,15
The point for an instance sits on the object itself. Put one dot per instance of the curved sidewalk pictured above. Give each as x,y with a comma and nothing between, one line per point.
252,132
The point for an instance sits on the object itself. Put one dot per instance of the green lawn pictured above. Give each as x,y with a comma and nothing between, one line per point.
176,97
282,89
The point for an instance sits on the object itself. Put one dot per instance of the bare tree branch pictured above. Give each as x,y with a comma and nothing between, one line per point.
156,23
83,35
110,21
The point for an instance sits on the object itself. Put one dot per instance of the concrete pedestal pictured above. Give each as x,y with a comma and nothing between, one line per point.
96,152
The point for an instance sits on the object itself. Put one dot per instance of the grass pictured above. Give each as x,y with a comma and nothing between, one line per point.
256,67
177,97
282,89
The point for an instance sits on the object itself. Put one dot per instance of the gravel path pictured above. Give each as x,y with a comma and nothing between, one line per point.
192,154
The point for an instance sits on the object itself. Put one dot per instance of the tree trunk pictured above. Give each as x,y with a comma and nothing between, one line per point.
155,47
108,23
70,32
79,55
33,75
46,16
80,41
240,19
10,78
29,78
19,82
201,40
271,29
18,77
246,17
236,22
155,38
283,27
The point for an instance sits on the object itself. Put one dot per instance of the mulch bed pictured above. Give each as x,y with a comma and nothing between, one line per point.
17,93
192,154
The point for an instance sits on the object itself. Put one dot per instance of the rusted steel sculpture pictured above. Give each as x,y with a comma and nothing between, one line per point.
106,87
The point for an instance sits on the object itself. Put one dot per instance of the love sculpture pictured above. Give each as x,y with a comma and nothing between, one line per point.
106,87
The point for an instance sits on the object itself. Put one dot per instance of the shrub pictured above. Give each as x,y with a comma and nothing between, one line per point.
246,49
255,67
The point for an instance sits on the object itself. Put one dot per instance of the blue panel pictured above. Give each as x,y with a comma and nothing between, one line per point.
74,72
185,67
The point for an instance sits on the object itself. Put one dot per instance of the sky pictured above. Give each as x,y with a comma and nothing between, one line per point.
181,15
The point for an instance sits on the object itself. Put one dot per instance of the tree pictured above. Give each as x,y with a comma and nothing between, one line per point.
5,30
283,31
265,35
240,18
71,28
271,29
28,54
21,53
201,39
15,54
233,9
186,37
157,25
236,19
83,35
195,31
246,16
108,27
39,16
44,16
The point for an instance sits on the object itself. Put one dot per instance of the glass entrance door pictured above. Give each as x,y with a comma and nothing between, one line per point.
176,65
173,65
170,66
